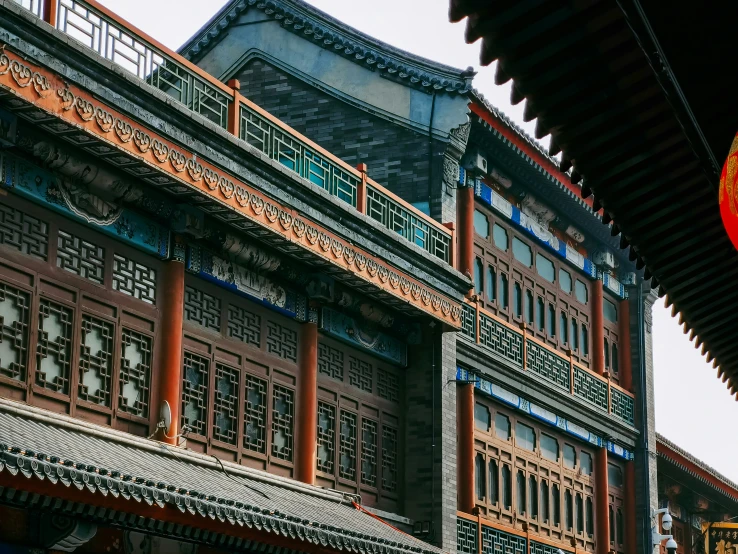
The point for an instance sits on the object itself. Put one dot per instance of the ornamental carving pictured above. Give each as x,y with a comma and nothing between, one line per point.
70,104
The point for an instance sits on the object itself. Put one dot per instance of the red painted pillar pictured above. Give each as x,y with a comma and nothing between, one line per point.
50,11
170,368
598,330
602,503
465,454
465,205
306,438
626,372
630,508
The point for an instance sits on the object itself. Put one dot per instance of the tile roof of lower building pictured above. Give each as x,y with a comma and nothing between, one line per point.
59,448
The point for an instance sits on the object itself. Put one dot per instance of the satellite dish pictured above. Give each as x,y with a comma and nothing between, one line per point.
165,416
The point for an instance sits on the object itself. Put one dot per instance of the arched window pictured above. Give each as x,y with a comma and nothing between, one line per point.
518,300
544,501
506,487
619,525
478,274
556,505
541,314
574,335
568,510
585,341
580,514
551,321
491,283
520,492
607,354
503,292
564,328
533,496
612,524
614,359
493,493
529,307
479,476
590,517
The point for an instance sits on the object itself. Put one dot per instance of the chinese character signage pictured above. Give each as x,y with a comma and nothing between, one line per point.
721,538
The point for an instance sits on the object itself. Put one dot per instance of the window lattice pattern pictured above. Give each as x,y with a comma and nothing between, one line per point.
330,361
23,232
500,339
466,536
14,321
326,437
468,321
195,392
96,360
135,373
202,308
622,406
369,452
360,374
388,385
255,415
54,350
80,257
347,445
244,325
389,458
283,410
281,341
499,542
548,365
225,404
590,388
134,279
540,548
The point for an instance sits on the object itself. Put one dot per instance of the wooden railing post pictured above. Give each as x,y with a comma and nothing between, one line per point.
453,247
233,123
361,191
477,323
524,356
571,372
50,12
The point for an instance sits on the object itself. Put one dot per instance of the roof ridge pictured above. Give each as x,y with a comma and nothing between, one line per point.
702,465
313,24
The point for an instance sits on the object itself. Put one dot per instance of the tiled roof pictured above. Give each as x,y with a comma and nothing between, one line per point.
312,24
61,449
729,487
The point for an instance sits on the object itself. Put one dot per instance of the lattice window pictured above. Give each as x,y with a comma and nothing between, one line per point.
244,325
622,406
135,373
360,374
388,385
499,542
389,458
466,536
134,279
548,365
195,392
326,437
283,410
281,341
330,361
500,339
590,388
14,321
54,350
369,452
468,321
96,353
347,445
202,308
225,404
80,257
23,232
255,415
540,548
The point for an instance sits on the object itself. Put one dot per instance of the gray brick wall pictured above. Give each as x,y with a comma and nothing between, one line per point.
396,156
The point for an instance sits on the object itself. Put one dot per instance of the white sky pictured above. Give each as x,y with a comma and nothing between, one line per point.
693,408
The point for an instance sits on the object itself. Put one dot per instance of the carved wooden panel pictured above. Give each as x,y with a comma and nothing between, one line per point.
23,232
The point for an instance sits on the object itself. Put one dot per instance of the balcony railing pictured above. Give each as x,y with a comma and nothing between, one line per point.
506,342
116,40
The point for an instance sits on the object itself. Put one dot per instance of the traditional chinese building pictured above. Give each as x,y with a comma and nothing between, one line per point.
293,289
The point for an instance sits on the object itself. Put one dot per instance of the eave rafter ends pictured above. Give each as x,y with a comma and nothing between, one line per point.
329,33
221,194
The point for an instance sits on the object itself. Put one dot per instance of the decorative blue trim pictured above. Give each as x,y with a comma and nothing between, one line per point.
375,342
488,196
541,414
245,282
45,188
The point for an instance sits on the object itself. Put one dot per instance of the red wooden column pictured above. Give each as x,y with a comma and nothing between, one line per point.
626,371
465,453
306,438
602,503
598,330
50,11
465,216
630,508
170,366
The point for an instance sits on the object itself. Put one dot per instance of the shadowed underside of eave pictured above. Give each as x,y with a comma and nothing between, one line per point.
628,136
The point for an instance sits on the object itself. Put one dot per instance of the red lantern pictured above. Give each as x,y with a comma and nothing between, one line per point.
729,193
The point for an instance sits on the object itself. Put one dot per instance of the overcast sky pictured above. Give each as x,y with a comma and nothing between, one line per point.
693,408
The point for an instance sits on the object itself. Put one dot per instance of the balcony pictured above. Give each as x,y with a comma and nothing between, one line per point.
518,349
117,41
